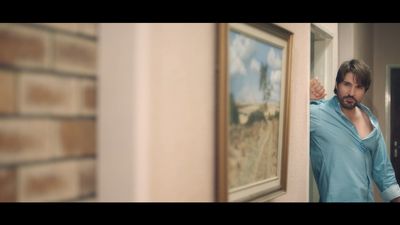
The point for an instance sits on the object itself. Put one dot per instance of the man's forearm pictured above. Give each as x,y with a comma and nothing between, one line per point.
397,200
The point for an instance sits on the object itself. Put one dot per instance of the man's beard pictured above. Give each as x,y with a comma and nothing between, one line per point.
348,102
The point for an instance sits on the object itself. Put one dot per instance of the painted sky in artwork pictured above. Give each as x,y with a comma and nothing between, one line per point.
246,57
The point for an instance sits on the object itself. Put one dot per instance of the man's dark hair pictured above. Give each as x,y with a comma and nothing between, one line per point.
361,71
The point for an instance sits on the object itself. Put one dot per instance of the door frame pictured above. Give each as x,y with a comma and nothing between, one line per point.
325,71
388,140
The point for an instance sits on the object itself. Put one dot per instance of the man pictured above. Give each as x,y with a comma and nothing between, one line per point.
348,151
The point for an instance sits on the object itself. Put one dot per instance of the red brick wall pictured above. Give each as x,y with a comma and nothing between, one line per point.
48,112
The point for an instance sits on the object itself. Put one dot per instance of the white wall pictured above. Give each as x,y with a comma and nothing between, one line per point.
157,112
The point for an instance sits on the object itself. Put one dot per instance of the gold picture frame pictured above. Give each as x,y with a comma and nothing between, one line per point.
254,64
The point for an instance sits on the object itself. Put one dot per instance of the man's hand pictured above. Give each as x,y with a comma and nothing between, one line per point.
317,91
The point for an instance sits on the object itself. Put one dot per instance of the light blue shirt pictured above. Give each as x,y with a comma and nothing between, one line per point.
344,165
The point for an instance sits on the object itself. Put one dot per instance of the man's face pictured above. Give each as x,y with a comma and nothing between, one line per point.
349,92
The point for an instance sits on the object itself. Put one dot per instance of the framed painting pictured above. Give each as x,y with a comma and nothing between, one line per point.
254,64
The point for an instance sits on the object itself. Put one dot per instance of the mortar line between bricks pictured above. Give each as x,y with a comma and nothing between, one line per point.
45,161
46,117
46,72
59,31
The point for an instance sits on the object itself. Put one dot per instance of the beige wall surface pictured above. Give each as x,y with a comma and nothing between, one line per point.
386,51
168,86
356,41
298,170
182,112
363,49
377,45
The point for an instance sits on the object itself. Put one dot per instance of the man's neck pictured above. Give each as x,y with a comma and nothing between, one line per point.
360,120
352,114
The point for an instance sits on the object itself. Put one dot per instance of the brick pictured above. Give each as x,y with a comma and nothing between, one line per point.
75,55
89,29
87,176
24,140
24,46
8,185
44,94
87,97
77,137
7,92
57,181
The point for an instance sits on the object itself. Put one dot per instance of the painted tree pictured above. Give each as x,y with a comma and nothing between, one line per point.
234,117
265,82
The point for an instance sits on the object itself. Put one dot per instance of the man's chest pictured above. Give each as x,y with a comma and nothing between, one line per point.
362,124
